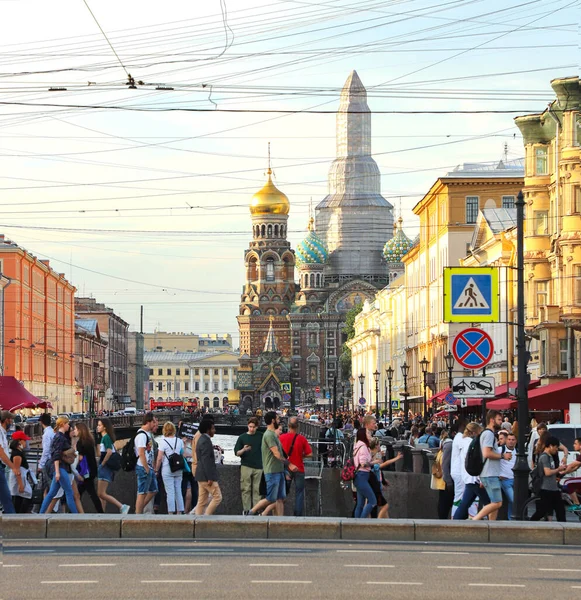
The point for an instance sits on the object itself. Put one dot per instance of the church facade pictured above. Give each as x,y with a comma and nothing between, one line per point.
293,333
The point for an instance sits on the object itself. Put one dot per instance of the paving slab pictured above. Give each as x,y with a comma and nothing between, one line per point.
23,527
382,530
234,527
157,526
451,531
304,528
526,532
85,526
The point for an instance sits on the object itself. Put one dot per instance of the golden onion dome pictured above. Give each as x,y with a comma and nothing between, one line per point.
269,200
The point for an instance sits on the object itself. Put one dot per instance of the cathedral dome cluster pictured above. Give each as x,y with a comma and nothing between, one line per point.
269,200
311,250
399,245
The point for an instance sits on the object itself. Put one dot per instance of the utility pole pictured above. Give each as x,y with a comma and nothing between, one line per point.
521,467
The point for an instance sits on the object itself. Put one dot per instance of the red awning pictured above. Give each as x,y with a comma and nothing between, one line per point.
440,395
13,395
501,404
555,396
502,390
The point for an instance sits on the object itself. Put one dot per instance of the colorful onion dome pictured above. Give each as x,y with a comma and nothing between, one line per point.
311,251
269,200
399,245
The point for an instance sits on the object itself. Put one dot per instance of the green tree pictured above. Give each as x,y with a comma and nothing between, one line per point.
349,331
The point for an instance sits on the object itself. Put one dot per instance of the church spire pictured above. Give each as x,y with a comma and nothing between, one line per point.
270,344
353,120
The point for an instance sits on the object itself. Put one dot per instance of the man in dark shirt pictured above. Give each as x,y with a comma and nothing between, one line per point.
550,495
248,449
206,472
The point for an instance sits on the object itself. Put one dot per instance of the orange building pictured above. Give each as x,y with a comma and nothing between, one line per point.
38,336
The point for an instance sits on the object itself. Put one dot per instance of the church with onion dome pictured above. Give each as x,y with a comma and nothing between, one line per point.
291,334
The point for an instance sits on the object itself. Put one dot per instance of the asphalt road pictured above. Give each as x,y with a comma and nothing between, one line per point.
123,570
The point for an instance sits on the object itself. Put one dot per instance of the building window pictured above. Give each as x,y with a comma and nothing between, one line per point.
160,371
197,372
563,356
216,372
151,386
169,386
542,294
168,371
471,209
178,372
508,201
206,387
159,386
186,372
541,222
543,357
197,386
215,386
541,161
270,269
187,386
206,371
577,199
151,372
177,386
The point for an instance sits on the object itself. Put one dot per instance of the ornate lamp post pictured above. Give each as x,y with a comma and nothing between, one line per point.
405,369
361,382
389,375
424,366
449,358
377,375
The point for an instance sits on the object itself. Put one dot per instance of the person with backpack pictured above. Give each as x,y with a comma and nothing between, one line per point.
109,463
87,465
170,462
144,452
550,494
491,456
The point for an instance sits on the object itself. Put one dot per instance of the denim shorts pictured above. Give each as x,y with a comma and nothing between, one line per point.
275,486
492,487
104,473
146,482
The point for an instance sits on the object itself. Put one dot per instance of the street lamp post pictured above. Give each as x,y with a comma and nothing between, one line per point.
405,369
449,358
424,366
389,375
342,395
521,467
352,382
361,382
377,375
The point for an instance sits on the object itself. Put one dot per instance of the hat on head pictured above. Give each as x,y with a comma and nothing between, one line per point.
6,414
20,435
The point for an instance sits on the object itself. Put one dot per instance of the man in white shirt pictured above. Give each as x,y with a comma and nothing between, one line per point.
43,463
456,466
146,479
6,420
507,474
490,475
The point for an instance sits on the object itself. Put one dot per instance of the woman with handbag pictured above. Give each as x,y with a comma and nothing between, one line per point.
61,458
170,461
87,465
366,499
21,484
110,462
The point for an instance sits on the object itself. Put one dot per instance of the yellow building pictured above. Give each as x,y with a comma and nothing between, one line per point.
553,232
406,322
206,377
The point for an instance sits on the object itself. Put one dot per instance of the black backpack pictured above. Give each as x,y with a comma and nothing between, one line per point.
175,460
128,457
474,461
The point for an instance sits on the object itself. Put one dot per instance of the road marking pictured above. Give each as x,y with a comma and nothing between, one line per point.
371,566
562,570
69,581
458,567
279,581
364,551
495,585
284,550
576,587
88,565
273,565
441,552
394,583
27,551
185,564
10,566
171,581
120,550
525,554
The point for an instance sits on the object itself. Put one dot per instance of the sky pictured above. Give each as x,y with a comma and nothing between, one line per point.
140,196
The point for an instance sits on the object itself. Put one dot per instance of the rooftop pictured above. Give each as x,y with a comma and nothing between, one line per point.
152,357
509,168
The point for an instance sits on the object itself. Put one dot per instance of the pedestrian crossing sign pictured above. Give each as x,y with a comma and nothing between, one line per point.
471,295
395,404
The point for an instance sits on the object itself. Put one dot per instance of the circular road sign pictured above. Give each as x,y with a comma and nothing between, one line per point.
473,348
317,389
362,401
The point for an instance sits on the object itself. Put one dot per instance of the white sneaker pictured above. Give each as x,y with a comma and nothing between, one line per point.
125,509
192,512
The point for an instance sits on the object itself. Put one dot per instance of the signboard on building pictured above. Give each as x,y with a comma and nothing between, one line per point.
471,295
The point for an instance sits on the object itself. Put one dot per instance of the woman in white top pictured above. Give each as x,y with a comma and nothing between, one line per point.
168,445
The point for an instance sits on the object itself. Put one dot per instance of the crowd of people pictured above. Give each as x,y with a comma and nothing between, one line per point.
181,464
